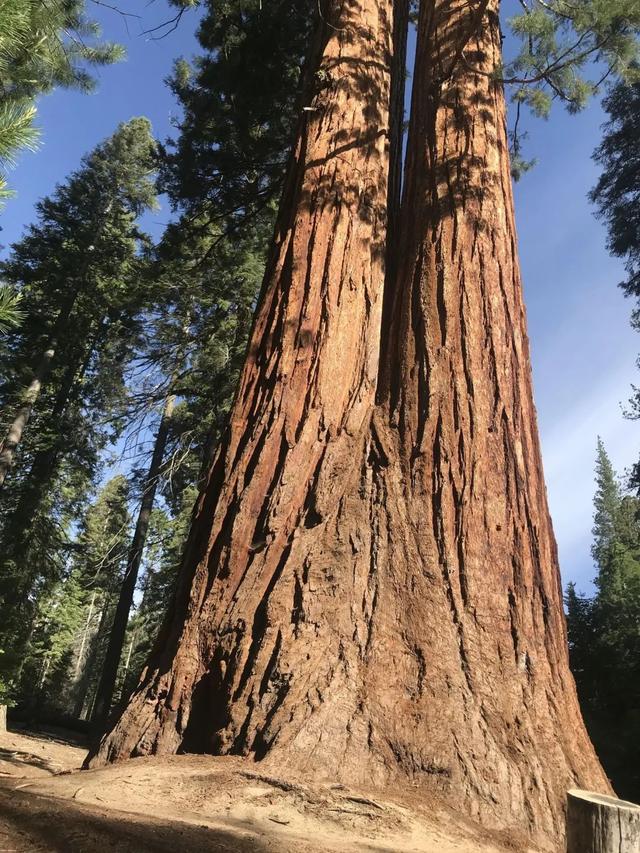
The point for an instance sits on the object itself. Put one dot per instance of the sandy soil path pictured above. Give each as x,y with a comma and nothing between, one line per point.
199,803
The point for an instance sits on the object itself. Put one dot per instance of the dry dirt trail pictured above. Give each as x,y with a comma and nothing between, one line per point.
198,803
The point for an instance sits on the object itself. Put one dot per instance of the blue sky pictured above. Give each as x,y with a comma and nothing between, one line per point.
583,348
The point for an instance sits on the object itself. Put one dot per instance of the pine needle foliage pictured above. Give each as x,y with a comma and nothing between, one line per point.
10,312
43,46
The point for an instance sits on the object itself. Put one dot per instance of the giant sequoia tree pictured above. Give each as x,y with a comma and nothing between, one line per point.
370,590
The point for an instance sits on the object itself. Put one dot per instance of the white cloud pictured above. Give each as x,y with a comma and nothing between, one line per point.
568,449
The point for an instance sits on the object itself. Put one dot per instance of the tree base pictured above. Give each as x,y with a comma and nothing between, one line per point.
275,809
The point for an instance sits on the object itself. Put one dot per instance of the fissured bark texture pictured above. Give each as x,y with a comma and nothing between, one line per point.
479,684
371,591
272,615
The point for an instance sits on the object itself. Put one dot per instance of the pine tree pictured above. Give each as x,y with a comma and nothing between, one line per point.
604,631
239,102
79,273
606,503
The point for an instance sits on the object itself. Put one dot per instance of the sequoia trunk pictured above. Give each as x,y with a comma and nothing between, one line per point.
371,592
488,705
260,649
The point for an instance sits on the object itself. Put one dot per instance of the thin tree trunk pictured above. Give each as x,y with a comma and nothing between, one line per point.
3,719
85,635
43,674
106,686
23,414
240,652
21,419
44,462
127,661
90,666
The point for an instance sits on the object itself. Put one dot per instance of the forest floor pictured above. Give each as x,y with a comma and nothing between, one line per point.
199,803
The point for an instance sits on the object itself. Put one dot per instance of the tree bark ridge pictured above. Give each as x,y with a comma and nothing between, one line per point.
375,595
245,649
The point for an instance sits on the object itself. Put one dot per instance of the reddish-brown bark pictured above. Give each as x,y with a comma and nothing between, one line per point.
472,584
260,646
371,592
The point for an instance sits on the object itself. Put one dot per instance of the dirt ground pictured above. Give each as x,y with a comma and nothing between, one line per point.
200,803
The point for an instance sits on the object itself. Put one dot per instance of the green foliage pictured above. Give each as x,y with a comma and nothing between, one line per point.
42,46
617,193
567,50
239,107
10,313
606,504
78,271
604,632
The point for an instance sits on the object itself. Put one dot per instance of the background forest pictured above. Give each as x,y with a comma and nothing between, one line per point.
121,342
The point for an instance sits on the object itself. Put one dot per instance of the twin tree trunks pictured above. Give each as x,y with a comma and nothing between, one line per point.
370,592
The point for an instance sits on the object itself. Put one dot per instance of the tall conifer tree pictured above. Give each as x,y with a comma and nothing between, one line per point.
79,273
604,631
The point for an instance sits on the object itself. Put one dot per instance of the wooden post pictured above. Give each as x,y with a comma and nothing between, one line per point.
3,719
597,823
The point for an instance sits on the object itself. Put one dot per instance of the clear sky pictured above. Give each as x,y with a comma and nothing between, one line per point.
583,349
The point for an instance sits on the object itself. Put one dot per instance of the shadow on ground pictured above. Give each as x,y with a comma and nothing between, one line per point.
32,823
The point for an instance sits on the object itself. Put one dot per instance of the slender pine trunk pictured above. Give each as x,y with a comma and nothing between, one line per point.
85,636
22,416
108,677
44,463
88,670
16,429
